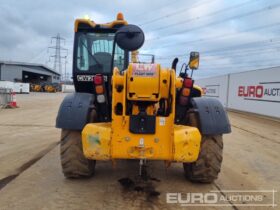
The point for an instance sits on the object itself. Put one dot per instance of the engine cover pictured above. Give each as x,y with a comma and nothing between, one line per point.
143,82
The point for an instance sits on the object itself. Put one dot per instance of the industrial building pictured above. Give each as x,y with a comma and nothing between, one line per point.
27,72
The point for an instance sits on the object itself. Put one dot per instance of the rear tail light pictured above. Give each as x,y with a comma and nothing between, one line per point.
186,91
99,89
188,83
98,79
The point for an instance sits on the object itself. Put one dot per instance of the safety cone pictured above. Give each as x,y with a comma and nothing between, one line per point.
13,102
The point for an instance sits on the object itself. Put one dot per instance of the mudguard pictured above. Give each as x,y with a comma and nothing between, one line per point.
212,116
74,111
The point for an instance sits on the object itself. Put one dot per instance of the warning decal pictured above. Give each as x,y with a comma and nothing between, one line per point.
143,70
162,121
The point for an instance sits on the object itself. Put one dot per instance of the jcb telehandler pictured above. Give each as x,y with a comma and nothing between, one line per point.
123,110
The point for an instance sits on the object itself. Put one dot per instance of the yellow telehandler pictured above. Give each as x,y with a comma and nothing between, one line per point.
139,111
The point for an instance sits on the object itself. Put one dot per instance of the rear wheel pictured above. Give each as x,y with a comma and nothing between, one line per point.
208,165
73,162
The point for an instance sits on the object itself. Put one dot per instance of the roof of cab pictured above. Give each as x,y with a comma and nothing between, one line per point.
119,21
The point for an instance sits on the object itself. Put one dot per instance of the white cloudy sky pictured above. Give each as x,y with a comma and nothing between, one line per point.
230,35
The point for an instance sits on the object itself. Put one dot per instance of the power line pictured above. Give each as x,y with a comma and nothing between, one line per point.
242,64
241,69
159,8
221,36
242,51
176,12
269,41
271,7
254,61
38,55
249,45
269,65
232,56
208,15
206,61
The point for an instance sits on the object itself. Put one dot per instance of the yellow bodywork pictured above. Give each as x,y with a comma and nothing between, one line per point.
114,140
119,21
199,89
100,142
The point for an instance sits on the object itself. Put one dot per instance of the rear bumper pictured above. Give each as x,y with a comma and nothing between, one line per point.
100,142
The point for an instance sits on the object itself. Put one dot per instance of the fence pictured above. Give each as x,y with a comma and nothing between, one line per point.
68,88
5,96
255,91
17,87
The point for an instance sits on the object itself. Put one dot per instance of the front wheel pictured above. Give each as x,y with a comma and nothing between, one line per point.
73,162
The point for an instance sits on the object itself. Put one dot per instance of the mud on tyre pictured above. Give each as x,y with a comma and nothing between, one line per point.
208,165
73,162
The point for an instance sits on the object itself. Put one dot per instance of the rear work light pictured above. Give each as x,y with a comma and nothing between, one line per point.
101,98
98,79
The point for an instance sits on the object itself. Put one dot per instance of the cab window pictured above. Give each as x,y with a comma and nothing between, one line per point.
94,52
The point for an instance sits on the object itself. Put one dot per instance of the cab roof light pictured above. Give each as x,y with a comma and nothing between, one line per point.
120,16
86,17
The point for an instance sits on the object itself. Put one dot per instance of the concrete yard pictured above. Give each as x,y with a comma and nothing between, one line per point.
31,177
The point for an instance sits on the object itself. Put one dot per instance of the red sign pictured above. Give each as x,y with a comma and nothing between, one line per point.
259,91
251,91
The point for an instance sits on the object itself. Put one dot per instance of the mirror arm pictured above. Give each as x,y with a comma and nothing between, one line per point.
153,59
174,63
113,53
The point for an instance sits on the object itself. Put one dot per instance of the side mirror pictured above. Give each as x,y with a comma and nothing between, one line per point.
130,37
194,60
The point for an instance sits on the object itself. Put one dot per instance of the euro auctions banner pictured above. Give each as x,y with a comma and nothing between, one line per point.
264,91
215,87
256,91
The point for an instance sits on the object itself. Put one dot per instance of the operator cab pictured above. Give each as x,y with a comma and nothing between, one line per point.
93,52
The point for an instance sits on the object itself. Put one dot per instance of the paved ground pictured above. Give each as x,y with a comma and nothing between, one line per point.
31,177
28,132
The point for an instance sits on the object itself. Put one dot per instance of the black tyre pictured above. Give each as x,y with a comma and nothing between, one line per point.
73,162
208,165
